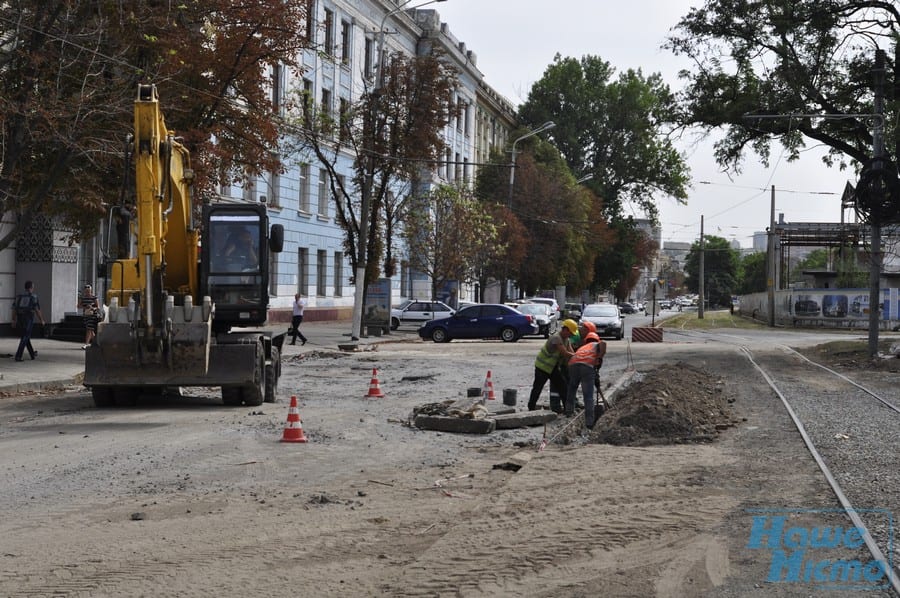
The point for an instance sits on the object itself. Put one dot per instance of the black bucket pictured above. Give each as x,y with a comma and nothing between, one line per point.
474,391
509,397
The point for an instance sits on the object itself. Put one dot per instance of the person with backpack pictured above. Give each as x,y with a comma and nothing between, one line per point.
25,309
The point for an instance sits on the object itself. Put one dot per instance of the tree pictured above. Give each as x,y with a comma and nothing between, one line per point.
720,264
612,128
446,233
391,133
619,264
69,71
780,58
753,274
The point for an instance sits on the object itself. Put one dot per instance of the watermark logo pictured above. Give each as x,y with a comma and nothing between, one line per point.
814,547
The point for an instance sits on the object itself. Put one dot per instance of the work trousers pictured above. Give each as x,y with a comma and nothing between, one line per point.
557,388
581,374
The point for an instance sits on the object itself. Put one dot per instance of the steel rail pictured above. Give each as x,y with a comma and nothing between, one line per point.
874,550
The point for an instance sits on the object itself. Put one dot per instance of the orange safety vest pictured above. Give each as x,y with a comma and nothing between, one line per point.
587,354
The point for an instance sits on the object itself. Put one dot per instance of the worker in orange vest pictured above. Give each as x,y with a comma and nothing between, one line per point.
582,368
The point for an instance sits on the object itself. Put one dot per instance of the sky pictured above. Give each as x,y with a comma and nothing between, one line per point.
515,41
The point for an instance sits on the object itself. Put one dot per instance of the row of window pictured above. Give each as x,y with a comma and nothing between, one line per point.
321,275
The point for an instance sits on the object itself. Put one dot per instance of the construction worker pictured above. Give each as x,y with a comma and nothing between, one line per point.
584,328
553,355
582,370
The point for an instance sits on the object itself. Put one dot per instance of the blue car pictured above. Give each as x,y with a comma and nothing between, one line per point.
485,320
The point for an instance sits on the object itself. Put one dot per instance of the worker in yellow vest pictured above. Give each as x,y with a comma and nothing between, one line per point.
554,354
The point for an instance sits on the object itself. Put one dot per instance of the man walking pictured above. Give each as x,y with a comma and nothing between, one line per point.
24,310
297,319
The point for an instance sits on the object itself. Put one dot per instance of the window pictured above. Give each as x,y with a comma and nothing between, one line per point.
249,193
338,273
311,20
369,59
277,88
326,102
345,42
304,188
303,270
341,184
323,193
321,271
466,119
308,96
329,32
465,170
273,274
344,120
448,166
274,190
457,167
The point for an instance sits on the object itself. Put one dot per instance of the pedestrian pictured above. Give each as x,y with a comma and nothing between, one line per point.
25,309
297,319
554,353
90,312
583,367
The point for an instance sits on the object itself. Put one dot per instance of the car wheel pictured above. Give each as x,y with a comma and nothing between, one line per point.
395,323
509,335
439,335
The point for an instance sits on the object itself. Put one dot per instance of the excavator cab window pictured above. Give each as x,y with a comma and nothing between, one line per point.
235,271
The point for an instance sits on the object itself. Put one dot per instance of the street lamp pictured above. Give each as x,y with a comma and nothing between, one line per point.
369,182
512,165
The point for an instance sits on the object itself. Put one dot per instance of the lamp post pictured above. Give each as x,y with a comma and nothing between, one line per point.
369,181
512,165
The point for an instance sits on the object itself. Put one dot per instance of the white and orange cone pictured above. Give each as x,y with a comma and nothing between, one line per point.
375,391
293,431
488,388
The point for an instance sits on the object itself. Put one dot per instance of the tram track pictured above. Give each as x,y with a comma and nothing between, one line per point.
848,427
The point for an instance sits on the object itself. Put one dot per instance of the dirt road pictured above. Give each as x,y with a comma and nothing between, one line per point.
190,498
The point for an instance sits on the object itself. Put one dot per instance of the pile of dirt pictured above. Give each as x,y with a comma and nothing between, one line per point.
672,404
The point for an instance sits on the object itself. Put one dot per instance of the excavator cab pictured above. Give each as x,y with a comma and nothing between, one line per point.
234,263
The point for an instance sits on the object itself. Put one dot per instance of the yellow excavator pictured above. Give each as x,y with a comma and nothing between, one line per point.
186,301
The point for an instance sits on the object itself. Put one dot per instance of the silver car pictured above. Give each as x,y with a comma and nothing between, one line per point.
547,324
607,318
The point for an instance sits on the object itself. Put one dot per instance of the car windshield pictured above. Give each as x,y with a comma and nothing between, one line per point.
533,309
594,311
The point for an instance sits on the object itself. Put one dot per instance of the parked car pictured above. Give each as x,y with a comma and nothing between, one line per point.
486,320
547,324
414,311
607,318
627,308
665,304
572,311
554,306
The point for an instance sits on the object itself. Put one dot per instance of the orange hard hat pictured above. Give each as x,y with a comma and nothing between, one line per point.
589,326
592,336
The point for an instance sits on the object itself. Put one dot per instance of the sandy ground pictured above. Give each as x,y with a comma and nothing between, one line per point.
189,498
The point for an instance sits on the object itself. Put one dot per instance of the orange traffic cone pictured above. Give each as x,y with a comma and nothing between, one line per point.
293,431
488,389
374,390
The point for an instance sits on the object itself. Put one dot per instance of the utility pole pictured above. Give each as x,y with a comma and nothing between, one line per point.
878,74
770,262
702,275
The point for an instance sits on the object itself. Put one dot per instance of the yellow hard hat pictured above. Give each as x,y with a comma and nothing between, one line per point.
572,325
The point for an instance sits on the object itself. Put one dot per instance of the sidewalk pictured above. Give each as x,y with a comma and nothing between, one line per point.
61,363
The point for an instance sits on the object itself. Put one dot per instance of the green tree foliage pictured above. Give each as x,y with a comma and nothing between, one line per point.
69,71
447,233
753,276
545,225
720,263
391,132
614,128
782,57
619,263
